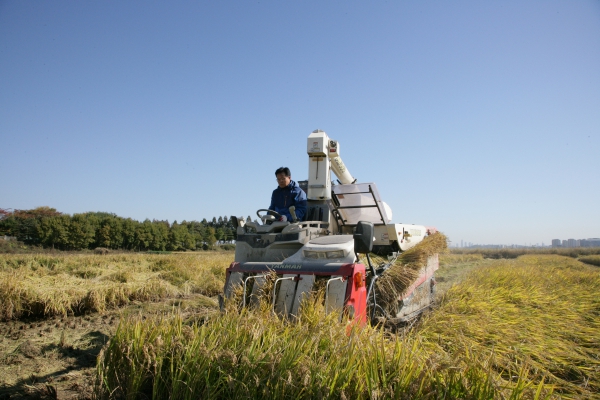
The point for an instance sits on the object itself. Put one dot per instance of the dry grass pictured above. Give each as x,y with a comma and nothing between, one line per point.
47,285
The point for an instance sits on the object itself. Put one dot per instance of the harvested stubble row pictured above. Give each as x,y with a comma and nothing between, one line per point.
43,285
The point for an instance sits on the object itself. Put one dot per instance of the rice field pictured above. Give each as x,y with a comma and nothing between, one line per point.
44,285
573,252
539,311
523,328
592,260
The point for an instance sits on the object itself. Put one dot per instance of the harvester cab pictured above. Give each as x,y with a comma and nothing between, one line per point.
346,224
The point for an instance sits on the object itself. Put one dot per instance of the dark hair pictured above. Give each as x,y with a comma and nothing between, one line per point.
283,170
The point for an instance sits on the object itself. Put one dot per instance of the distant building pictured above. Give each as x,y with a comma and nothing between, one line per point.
574,243
590,242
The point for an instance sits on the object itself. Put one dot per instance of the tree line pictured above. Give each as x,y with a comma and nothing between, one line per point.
46,227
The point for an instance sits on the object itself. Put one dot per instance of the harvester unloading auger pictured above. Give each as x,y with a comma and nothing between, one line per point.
346,227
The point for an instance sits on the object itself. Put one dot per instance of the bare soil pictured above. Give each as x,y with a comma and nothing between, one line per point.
55,358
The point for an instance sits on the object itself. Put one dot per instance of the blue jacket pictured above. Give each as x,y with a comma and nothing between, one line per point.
291,195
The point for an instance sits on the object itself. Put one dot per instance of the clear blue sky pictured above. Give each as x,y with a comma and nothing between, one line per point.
481,118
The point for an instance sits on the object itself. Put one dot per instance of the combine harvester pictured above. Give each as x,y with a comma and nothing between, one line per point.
346,224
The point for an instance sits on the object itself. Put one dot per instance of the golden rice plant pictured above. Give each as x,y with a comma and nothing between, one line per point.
257,355
395,280
11,294
538,310
44,285
525,328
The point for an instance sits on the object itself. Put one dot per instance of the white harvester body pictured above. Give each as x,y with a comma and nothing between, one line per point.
342,221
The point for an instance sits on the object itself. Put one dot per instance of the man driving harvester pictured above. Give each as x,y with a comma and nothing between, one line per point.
287,194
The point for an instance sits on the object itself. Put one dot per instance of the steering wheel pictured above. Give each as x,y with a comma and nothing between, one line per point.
274,213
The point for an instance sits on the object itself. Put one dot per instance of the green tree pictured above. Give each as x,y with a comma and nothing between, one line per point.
80,232
209,238
103,236
50,228
160,235
197,232
9,225
24,224
128,228
116,232
54,231
178,237
144,235
229,234
220,234
189,242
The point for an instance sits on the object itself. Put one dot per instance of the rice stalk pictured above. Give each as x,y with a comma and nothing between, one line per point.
407,268
47,285
255,354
